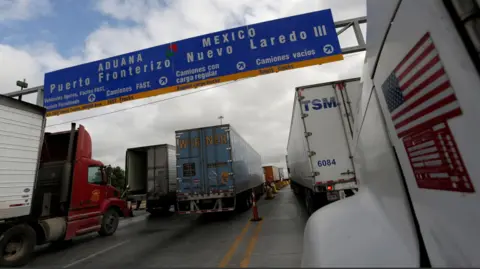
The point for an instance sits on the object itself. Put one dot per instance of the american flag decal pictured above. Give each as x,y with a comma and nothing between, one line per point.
421,100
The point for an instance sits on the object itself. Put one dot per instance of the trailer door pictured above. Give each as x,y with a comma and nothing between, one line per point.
215,143
326,135
189,166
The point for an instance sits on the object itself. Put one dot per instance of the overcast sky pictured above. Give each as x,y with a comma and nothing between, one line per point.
38,36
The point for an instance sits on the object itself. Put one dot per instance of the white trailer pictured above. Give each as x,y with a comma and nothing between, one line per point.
320,142
21,134
416,145
151,175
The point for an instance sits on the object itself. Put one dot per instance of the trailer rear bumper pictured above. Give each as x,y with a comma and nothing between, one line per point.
336,189
336,185
191,203
206,211
185,196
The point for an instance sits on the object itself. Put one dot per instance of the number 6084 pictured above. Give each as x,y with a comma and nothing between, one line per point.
327,162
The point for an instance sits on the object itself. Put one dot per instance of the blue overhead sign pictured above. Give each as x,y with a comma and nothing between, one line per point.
247,51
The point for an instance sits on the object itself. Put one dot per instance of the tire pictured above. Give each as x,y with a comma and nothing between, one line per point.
153,211
156,212
165,209
349,193
310,202
295,188
17,246
249,200
109,223
244,202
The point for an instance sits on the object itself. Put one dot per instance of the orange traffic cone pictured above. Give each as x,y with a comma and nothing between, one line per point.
255,209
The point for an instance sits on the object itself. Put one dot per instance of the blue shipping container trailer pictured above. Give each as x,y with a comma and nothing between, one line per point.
217,170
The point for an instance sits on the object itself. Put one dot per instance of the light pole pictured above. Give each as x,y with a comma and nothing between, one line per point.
220,118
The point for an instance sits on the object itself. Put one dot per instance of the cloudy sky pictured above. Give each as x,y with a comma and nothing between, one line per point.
38,36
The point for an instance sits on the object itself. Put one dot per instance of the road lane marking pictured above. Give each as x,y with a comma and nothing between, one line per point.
251,246
95,254
228,256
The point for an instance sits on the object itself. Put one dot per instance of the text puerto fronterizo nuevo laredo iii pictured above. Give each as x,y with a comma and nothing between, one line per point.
241,52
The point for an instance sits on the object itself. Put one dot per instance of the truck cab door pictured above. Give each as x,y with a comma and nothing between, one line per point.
89,189
88,193
96,187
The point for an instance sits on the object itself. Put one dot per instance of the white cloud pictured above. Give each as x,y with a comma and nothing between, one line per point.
259,108
23,9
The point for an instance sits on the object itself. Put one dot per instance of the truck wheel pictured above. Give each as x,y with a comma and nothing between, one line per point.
163,211
109,223
349,193
249,201
294,188
244,201
309,202
17,246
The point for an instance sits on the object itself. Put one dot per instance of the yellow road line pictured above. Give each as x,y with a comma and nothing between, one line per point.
226,259
251,246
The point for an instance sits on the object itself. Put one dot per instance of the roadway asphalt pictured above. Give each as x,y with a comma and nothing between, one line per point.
193,240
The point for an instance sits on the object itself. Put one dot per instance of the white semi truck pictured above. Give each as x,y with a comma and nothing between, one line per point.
415,145
319,145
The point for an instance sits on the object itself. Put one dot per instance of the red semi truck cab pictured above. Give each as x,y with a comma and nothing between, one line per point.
52,189
92,197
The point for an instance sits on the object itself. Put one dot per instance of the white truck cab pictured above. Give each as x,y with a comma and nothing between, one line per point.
415,145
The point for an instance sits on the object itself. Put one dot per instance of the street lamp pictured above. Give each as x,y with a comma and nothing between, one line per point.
220,118
22,84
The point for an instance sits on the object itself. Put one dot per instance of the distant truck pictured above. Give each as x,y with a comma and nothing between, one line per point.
320,141
217,170
272,173
51,190
286,162
151,175
281,175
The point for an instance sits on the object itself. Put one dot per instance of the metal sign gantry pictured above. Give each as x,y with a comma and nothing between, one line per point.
344,25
